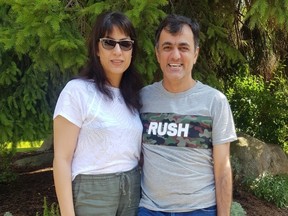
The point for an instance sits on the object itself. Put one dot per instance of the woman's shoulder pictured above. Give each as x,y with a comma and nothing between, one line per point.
79,84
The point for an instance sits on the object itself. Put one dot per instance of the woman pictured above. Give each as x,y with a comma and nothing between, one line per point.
97,130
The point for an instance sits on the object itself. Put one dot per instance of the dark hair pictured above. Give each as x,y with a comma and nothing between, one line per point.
131,81
174,23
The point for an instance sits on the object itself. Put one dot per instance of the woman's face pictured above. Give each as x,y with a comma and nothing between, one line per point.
115,59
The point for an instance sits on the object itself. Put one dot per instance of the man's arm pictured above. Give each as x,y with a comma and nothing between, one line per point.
223,178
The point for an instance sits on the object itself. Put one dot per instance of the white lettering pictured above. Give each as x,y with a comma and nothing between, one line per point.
162,130
171,129
184,129
153,128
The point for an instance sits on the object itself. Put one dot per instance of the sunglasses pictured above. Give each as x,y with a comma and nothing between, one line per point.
109,44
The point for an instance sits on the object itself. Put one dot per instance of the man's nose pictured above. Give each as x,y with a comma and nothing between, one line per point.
175,53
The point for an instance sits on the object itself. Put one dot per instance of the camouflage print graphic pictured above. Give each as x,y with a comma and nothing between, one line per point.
177,130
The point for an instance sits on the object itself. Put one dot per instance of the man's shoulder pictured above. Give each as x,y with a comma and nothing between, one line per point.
209,90
151,87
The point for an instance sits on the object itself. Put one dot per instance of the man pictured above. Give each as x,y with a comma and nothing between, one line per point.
188,127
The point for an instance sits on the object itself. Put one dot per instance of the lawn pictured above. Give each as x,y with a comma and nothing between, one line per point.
25,146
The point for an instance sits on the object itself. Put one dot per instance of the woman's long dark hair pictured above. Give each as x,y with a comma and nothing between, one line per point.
131,81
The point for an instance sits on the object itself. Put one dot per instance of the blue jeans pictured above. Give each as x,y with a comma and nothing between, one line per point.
211,211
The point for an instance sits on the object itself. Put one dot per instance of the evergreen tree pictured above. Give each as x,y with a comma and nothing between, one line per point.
42,45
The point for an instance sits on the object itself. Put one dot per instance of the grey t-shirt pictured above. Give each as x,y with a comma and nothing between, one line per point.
180,130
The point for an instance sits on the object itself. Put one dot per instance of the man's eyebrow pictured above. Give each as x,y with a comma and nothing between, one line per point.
179,44
184,44
166,43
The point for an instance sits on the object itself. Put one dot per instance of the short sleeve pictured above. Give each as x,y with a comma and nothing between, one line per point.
69,104
223,124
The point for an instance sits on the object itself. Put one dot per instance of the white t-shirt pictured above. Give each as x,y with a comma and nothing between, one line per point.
110,135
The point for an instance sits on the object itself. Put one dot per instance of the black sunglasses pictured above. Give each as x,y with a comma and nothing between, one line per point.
109,44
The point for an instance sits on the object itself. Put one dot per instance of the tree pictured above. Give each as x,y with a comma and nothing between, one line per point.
238,32
245,41
42,45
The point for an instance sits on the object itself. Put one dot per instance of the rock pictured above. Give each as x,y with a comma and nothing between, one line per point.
252,157
34,161
47,145
42,157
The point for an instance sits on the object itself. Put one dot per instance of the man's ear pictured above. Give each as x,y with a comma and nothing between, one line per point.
157,53
197,50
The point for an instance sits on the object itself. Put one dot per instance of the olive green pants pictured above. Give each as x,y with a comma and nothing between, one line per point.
115,194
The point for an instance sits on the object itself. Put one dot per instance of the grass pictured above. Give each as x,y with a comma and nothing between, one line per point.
25,146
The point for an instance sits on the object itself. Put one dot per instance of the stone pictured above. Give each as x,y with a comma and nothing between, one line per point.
34,161
47,145
251,157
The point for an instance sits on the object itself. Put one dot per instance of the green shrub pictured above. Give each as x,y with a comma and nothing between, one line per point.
52,211
260,107
237,210
6,173
274,189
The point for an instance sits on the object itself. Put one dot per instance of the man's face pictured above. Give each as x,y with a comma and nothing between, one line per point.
176,55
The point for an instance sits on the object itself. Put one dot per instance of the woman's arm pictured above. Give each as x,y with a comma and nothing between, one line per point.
65,139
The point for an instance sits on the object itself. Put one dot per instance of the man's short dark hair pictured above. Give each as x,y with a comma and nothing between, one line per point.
174,23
